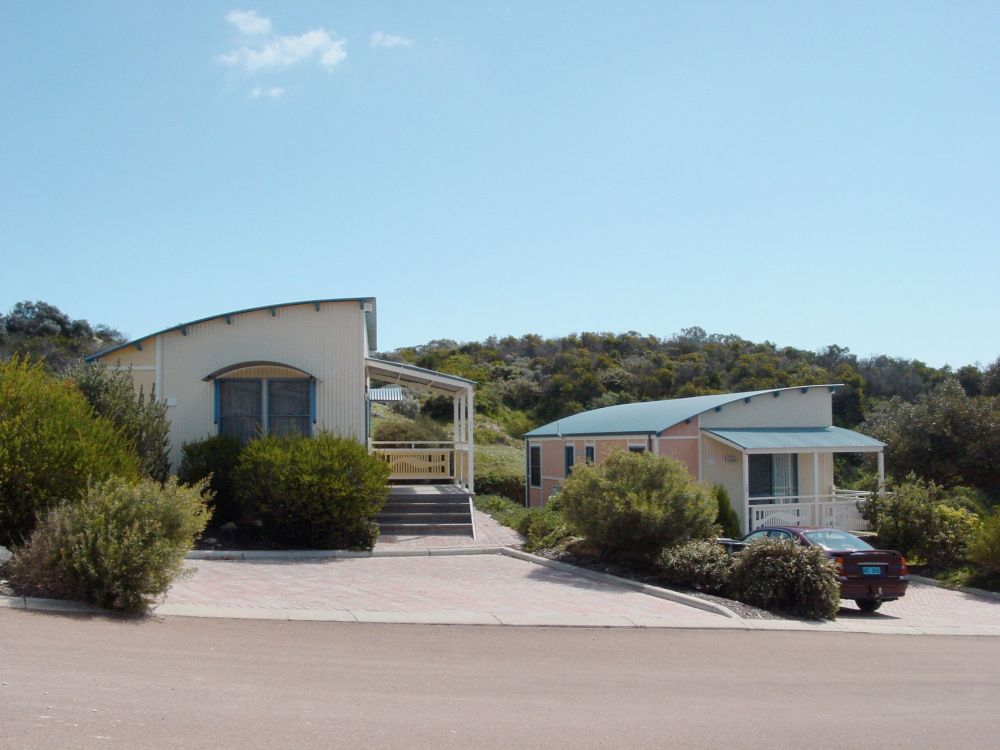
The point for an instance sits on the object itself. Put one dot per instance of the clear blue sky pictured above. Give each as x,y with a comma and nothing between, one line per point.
806,173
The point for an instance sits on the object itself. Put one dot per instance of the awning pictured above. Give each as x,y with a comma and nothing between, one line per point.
796,439
416,377
387,395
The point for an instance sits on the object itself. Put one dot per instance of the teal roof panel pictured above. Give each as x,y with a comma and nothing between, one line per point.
647,418
804,438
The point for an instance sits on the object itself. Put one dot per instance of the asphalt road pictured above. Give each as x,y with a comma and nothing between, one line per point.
81,682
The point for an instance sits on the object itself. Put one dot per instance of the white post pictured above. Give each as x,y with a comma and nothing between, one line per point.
746,493
471,483
816,515
881,471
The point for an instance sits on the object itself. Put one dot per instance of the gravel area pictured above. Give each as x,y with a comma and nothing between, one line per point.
743,610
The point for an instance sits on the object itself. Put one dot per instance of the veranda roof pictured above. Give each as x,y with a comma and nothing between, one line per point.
790,439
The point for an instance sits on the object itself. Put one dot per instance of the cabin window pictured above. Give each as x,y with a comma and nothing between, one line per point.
588,454
569,453
535,465
774,475
637,449
249,408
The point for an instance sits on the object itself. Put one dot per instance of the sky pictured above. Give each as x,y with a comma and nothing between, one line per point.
807,173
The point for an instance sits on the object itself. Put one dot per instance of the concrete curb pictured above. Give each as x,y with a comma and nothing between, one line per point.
645,588
964,589
298,555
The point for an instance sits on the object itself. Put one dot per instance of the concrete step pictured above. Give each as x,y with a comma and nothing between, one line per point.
423,518
405,529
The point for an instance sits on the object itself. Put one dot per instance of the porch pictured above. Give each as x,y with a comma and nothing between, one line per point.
444,462
784,476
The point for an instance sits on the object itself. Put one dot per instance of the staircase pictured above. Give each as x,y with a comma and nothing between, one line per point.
423,510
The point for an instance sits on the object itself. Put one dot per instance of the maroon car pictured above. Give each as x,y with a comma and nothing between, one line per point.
867,575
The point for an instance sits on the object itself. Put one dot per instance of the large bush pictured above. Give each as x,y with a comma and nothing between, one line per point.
141,419
119,546
215,459
984,547
699,564
784,576
51,445
916,519
321,492
635,504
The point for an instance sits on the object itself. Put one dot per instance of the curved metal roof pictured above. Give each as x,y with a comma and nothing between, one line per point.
369,321
647,418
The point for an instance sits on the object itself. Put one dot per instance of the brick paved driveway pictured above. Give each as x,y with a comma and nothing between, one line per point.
479,588
926,605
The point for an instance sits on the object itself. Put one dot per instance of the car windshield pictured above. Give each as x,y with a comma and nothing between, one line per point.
831,539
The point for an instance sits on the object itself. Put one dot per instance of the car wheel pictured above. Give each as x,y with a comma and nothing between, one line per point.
868,605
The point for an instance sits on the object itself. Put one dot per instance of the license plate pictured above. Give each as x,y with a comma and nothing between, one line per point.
871,570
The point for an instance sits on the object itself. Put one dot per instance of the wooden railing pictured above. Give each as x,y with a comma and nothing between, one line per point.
440,461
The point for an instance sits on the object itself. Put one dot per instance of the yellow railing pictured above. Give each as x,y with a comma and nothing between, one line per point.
418,460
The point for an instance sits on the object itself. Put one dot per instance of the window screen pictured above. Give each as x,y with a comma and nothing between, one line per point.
240,408
288,407
535,465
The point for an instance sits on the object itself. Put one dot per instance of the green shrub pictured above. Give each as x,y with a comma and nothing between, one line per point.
542,527
917,520
984,548
322,492
784,576
142,421
215,459
51,445
633,505
119,546
698,564
726,517
423,428
500,471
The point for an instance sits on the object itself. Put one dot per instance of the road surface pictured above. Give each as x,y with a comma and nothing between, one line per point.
101,682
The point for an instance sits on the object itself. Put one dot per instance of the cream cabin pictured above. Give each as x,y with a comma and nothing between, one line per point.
299,367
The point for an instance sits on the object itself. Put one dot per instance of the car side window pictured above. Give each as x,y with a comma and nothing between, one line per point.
754,536
779,534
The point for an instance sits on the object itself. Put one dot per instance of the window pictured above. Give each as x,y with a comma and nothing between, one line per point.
588,454
288,407
535,465
240,408
248,408
569,452
774,475
637,449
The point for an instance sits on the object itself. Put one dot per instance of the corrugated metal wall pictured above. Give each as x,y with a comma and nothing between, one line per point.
328,344
813,408
717,470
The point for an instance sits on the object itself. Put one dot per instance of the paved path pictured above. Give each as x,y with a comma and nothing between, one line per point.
488,534
929,606
472,589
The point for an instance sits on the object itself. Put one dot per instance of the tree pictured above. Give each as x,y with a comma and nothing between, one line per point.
44,332
945,436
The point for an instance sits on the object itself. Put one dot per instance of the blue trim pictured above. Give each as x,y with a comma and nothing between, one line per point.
312,400
217,406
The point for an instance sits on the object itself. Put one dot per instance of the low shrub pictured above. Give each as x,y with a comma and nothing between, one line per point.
500,471
699,564
984,547
726,517
784,576
51,446
633,505
215,459
119,546
322,492
916,519
541,527
407,430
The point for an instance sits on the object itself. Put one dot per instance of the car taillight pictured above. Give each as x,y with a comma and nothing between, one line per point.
839,561
904,569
